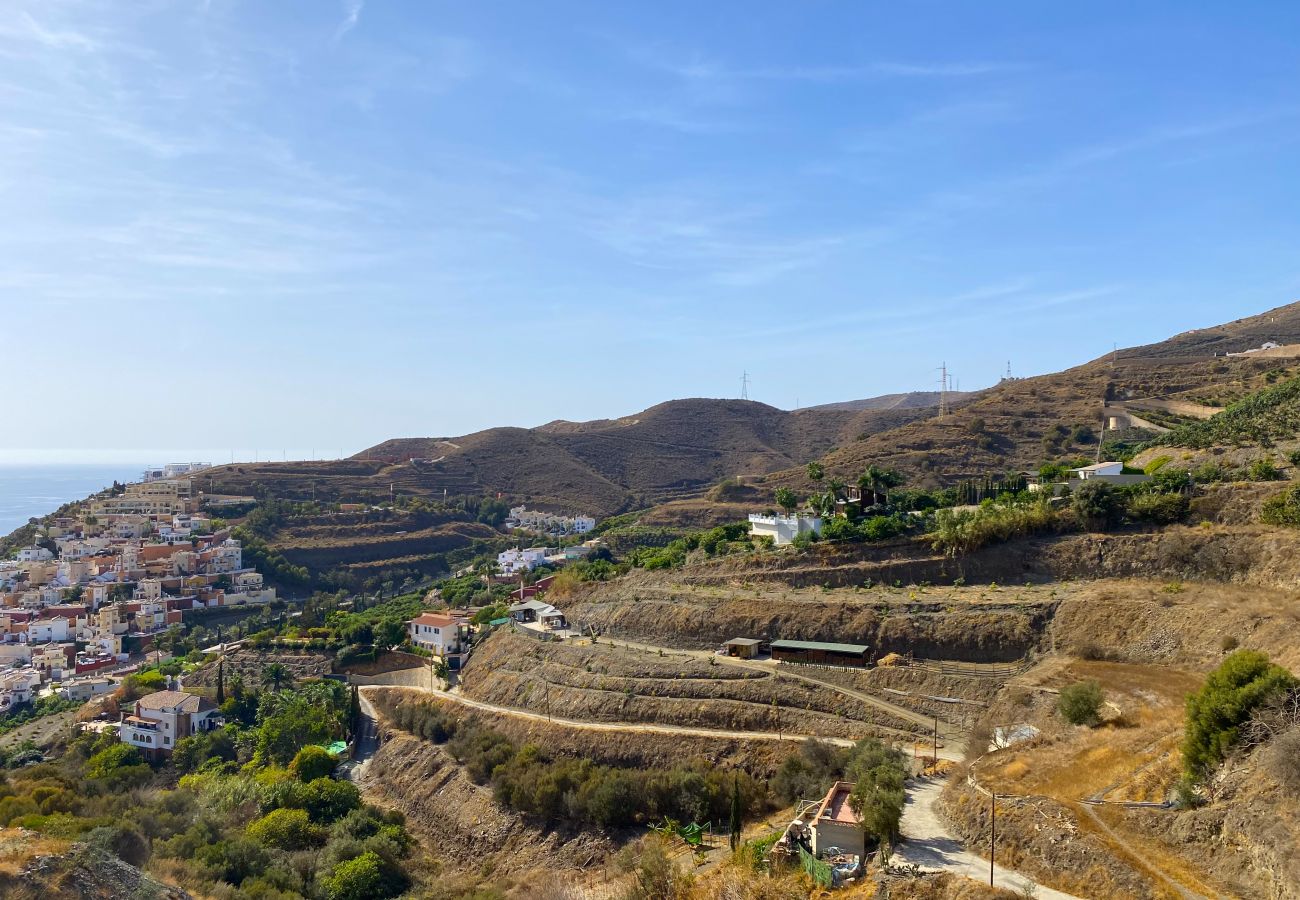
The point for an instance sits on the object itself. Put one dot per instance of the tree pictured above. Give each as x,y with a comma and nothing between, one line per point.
354,712
878,796
877,482
1080,703
389,633
735,813
1242,682
786,499
276,676
312,762
221,682
816,471
1096,505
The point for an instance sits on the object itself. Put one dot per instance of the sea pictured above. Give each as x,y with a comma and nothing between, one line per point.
38,490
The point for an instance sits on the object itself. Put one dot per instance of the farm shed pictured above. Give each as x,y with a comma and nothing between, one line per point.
822,654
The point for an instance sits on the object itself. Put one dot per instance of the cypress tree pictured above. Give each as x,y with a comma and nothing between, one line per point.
221,682
735,813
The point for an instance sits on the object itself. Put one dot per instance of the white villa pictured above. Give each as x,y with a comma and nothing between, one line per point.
163,718
783,529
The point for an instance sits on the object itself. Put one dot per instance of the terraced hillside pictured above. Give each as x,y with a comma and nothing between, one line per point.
676,449
617,684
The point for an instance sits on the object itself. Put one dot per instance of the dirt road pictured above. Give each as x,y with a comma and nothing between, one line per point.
928,843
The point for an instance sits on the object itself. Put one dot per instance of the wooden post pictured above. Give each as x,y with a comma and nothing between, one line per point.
936,741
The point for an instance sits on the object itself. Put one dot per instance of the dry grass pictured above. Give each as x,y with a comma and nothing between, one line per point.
18,848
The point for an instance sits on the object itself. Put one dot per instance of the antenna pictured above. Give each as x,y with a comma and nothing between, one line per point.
744,386
1008,370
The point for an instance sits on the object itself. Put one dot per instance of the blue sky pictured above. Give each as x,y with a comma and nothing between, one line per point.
308,226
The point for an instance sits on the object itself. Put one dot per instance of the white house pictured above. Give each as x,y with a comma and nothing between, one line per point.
1098,469
34,554
18,686
440,634
783,529
512,562
163,718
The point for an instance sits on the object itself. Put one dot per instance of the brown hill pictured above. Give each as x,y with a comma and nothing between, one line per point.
1017,424
911,400
672,450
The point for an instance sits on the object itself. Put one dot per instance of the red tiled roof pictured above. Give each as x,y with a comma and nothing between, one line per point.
435,619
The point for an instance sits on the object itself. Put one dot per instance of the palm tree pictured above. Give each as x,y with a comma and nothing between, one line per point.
877,482
276,676
786,499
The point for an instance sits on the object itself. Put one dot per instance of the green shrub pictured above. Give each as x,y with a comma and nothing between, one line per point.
313,762
1283,508
285,829
1217,711
107,762
1159,509
1080,703
366,877
1096,505
1264,469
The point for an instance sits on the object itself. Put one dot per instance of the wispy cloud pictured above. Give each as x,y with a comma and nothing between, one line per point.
701,68
351,16
24,26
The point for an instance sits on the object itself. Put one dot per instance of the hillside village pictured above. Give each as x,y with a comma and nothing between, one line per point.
94,592
822,679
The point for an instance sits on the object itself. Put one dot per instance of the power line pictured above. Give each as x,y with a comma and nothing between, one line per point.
744,386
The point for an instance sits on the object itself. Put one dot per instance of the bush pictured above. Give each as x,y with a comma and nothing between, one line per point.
1097,506
106,763
284,829
1080,703
1283,509
366,877
1264,470
313,762
1282,761
1215,713
1159,509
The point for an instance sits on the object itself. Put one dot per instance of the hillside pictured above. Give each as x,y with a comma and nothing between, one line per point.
672,450
911,400
1018,424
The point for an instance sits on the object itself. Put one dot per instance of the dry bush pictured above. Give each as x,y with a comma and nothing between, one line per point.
1282,761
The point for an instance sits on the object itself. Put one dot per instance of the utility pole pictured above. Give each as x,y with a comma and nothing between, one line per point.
993,831
936,740
943,390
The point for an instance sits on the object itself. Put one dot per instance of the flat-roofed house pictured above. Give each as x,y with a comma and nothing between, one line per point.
837,828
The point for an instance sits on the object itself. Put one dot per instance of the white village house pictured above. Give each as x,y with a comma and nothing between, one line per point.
442,635
783,529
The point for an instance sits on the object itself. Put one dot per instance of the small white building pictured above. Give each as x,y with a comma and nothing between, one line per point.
835,827
1101,469
783,529
163,718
